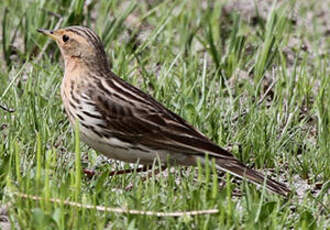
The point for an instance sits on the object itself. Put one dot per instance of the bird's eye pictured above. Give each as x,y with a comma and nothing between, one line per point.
65,38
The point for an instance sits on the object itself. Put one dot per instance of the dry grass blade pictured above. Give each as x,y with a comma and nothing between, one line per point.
119,210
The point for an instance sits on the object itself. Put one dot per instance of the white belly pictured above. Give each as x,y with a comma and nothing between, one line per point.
116,149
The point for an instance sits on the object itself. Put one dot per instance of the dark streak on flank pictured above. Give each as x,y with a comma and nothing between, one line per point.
75,98
96,132
92,115
72,105
70,113
84,125
91,128
81,117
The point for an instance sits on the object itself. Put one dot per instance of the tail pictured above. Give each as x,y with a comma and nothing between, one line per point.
238,169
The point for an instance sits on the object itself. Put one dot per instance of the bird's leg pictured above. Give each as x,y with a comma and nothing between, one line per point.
155,172
91,173
126,171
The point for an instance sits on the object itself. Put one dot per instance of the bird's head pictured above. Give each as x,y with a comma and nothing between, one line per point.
78,44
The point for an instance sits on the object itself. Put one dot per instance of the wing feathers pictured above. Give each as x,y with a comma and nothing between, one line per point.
135,117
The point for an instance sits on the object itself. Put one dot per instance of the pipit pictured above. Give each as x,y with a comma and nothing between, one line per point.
124,123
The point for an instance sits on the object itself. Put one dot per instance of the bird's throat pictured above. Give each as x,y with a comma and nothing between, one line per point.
72,63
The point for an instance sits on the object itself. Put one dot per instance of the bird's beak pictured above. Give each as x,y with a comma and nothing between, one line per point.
49,33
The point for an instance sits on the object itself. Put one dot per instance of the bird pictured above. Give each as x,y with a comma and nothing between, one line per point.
124,123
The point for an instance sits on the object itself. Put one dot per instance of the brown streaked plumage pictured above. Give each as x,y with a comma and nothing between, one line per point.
124,123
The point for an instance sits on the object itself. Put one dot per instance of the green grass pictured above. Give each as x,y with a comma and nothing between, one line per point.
211,66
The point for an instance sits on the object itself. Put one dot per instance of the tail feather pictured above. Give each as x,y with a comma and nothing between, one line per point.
236,168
